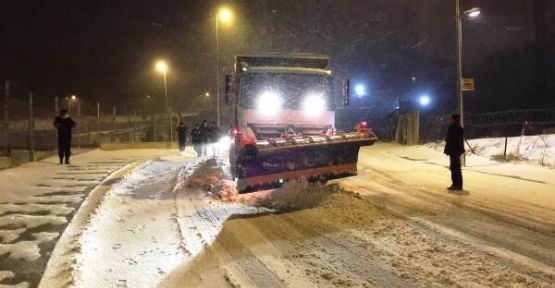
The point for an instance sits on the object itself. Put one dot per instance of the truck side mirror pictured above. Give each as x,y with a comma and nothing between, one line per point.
228,88
346,88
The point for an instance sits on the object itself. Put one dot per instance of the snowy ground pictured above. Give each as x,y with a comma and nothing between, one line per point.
397,227
37,200
393,225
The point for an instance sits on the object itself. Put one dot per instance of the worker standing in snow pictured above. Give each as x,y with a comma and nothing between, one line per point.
64,124
214,138
196,139
454,147
182,131
205,137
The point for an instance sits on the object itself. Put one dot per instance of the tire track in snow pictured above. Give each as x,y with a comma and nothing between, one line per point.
211,223
417,202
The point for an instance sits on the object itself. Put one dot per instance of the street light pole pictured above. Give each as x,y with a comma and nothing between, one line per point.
218,70
224,14
460,100
166,90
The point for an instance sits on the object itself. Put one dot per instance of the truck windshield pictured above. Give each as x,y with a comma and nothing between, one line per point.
292,88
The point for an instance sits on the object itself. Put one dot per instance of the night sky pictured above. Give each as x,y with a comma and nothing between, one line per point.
106,49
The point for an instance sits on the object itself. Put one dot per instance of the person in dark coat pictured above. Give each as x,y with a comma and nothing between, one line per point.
205,137
454,147
196,138
182,132
214,138
64,124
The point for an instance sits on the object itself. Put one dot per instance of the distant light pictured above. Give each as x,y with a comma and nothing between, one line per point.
360,90
281,181
425,100
161,66
73,97
207,94
473,13
413,79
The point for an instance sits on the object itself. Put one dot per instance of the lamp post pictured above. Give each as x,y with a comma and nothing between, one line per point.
224,15
472,13
162,67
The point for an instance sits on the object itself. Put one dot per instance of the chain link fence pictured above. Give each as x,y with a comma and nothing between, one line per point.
27,122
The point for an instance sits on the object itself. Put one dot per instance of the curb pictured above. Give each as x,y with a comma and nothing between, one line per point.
58,271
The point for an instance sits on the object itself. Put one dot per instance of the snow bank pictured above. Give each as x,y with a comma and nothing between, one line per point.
538,150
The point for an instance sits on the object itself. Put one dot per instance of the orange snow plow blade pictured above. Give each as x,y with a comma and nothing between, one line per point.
269,164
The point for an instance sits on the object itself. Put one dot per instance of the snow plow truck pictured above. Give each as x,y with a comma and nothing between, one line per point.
282,122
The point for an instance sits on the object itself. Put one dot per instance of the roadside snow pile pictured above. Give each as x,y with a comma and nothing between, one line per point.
208,176
539,149
298,194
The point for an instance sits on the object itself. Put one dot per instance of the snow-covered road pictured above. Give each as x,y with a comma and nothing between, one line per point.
37,200
393,225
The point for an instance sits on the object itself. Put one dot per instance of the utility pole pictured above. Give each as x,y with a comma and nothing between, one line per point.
218,71
460,103
540,44
6,122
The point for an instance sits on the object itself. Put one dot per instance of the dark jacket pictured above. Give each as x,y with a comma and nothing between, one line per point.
214,134
64,126
205,134
182,132
454,142
196,136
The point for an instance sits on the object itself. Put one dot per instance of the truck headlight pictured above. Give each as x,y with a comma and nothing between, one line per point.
314,105
269,103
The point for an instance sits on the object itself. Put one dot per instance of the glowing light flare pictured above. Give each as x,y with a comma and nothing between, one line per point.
473,13
360,90
224,143
424,100
269,103
225,15
161,66
314,105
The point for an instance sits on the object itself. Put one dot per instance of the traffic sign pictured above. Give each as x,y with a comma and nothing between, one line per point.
468,84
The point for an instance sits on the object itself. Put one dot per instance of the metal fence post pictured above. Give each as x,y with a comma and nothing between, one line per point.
32,156
129,123
79,125
154,128
113,138
135,126
98,117
6,123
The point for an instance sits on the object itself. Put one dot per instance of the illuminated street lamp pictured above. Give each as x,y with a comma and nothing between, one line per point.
472,13
224,15
207,94
162,67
